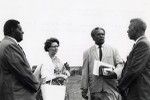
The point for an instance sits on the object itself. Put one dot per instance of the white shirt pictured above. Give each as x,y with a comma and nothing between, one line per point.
47,70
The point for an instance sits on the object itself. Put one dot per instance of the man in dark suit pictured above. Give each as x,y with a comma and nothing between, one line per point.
135,81
16,79
102,86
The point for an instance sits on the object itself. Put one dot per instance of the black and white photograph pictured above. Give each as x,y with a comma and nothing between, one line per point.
74,50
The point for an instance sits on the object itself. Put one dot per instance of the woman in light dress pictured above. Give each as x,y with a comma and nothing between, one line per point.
53,68
53,71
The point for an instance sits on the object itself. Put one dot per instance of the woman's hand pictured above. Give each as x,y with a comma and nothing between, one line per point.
57,71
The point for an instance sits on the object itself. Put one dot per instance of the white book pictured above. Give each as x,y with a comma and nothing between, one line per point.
106,66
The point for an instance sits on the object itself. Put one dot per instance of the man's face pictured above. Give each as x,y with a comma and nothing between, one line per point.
131,31
53,49
99,37
18,33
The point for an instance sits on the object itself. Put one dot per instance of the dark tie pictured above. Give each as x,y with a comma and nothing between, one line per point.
100,58
100,52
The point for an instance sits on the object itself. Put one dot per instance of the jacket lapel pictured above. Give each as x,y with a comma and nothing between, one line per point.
94,52
104,52
138,42
131,53
17,45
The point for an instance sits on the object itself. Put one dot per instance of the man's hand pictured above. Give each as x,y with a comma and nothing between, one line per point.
66,65
105,70
111,75
84,93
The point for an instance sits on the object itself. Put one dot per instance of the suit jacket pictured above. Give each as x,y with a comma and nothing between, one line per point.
17,80
135,78
99,83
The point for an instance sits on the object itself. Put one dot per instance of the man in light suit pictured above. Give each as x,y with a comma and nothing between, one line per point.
135,79
104,86
16,79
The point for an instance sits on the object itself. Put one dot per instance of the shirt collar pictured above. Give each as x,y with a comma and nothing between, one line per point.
97,46
53,58
139,38
12,39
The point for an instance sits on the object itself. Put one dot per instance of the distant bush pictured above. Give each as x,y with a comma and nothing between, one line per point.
76,71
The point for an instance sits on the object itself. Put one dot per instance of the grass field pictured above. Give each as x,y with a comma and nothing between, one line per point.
73,87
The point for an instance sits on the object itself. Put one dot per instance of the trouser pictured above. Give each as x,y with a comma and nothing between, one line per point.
106,96
99,96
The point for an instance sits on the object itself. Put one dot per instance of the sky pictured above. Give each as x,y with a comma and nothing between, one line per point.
71,22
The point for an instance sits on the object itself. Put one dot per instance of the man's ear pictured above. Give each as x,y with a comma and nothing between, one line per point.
12,31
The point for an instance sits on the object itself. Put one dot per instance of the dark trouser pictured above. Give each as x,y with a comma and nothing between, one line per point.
39,95
99,96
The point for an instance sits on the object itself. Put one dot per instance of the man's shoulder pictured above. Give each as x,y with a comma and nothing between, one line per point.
146,40
89,49
8,41
5,43
108,47
9,46
143,42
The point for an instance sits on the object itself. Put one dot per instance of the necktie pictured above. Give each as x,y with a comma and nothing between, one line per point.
100,58
100,52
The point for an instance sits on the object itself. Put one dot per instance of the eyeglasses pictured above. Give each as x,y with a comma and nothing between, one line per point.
54,46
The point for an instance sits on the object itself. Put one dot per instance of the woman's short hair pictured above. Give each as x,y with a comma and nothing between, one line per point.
49,42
